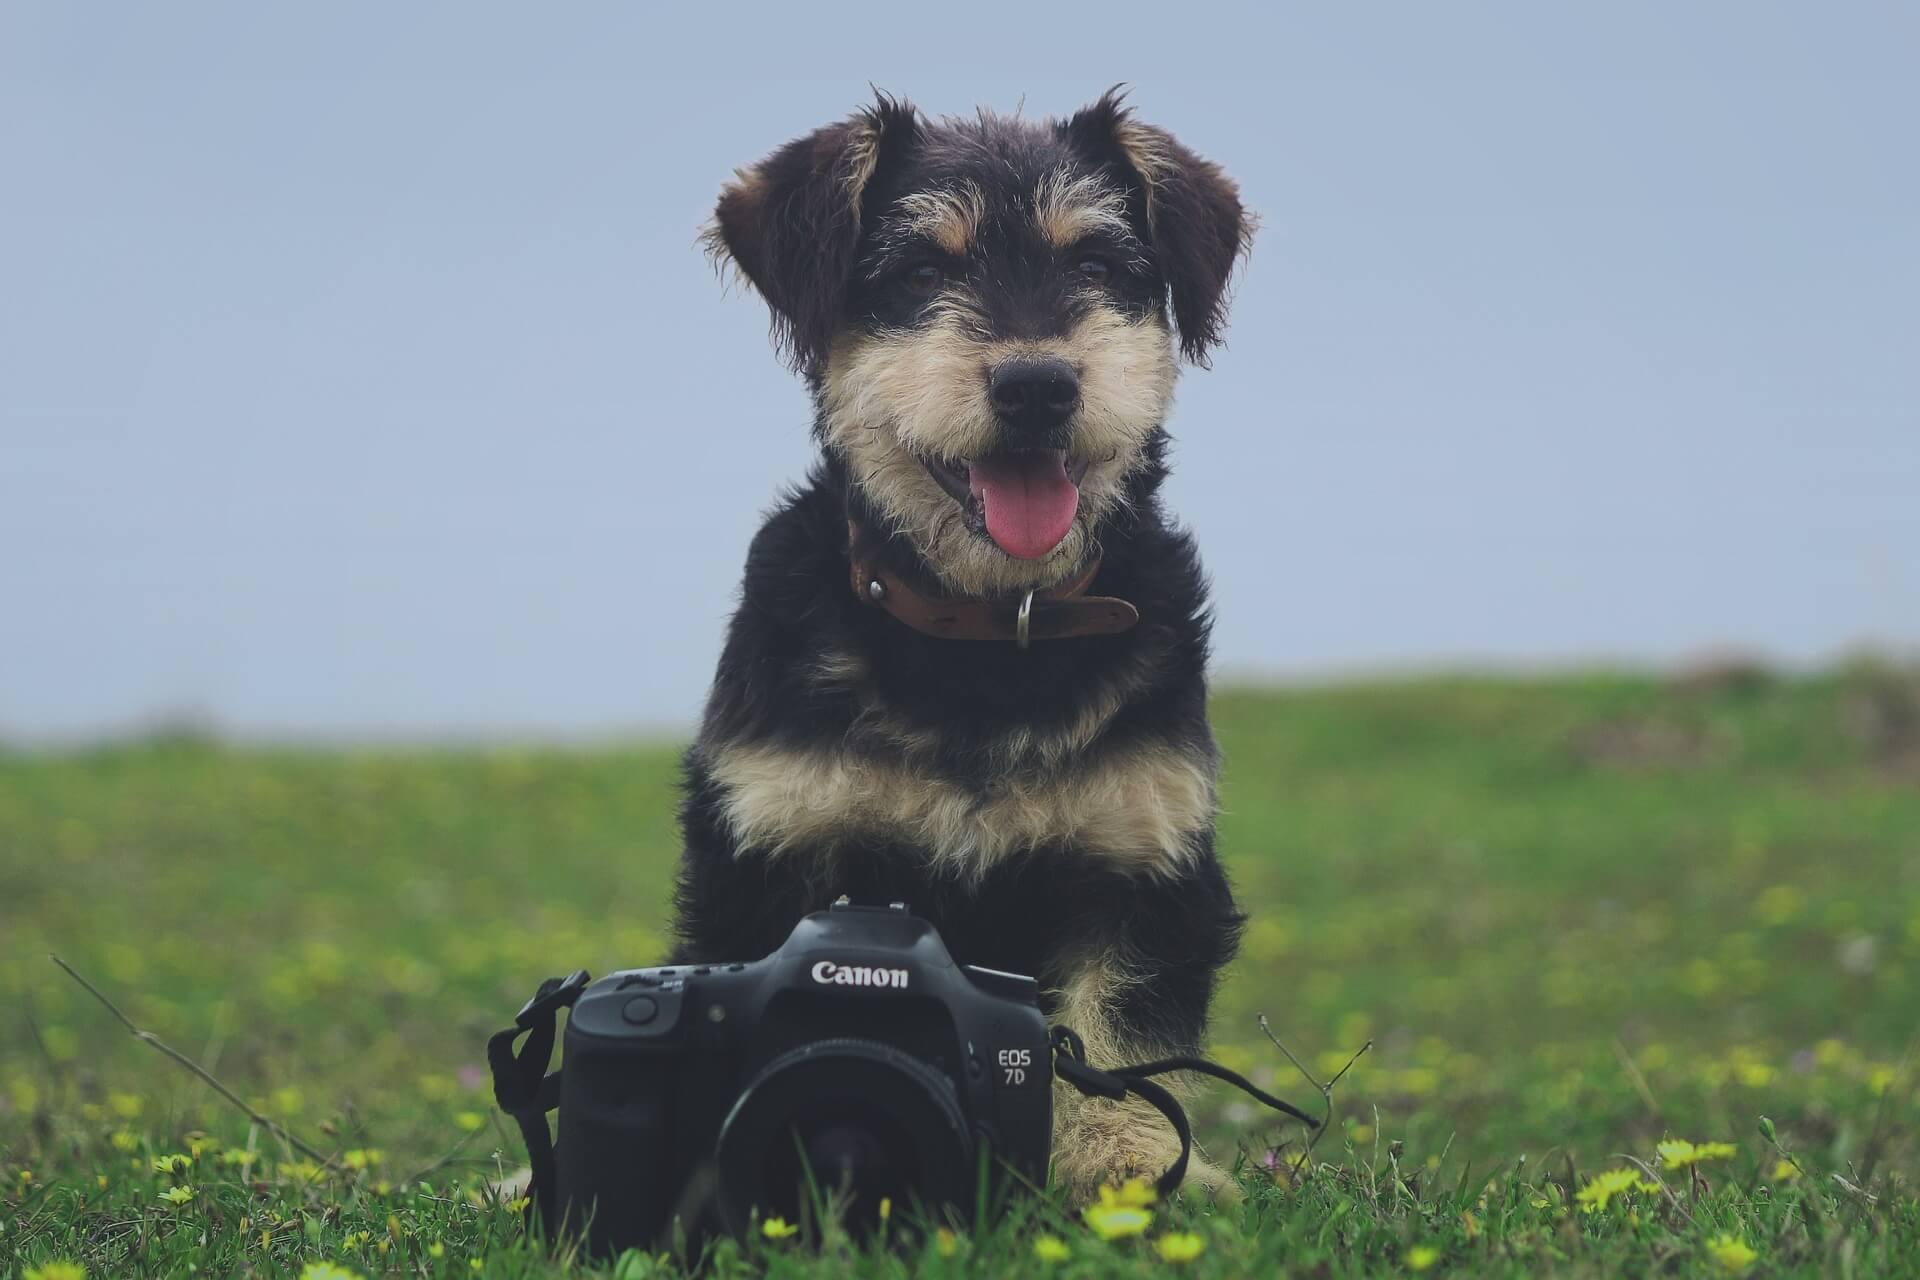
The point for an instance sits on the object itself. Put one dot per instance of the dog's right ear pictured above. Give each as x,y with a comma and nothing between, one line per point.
791,223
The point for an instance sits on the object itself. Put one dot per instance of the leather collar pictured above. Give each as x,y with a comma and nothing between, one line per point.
1056,613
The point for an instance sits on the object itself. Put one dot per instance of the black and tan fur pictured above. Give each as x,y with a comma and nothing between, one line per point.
1051,810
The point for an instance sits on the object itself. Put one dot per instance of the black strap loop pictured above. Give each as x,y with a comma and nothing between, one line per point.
521,1085
1070,1064
1201,1066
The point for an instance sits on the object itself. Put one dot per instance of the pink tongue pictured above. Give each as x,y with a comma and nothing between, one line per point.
1028,501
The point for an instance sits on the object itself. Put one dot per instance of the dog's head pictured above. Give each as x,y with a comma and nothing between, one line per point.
981,308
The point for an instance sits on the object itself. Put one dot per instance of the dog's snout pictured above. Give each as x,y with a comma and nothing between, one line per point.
1033,394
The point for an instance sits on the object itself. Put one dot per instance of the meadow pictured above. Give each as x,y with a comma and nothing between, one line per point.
1638,958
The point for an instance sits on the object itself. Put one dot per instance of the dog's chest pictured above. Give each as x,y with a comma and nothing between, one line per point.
1136,806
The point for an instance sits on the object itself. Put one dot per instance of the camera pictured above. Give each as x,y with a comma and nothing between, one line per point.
857,1061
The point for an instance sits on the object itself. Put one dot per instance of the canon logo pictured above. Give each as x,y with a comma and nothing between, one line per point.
853,975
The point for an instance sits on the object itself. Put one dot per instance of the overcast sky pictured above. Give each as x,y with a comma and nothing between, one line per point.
359,373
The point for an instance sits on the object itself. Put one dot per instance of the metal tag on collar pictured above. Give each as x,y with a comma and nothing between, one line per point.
1022,622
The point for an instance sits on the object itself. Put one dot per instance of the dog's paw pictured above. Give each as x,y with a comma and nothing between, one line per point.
1204,1179
513,1187
1110,1146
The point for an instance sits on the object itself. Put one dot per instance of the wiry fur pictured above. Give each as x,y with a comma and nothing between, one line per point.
1139,808
1051,810
894,397
1069,206
950,217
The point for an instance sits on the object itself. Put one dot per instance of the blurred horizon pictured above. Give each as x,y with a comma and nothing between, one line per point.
360,378
1707,670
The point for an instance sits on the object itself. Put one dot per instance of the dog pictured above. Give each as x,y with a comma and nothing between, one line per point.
968,667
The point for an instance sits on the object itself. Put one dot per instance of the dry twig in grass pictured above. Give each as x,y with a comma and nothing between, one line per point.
279,1130
1325,1090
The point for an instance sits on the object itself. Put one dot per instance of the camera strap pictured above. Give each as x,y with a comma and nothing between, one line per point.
521,1084
1070,1064
525,1090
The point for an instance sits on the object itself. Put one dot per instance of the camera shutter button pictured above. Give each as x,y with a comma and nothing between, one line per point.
640,1010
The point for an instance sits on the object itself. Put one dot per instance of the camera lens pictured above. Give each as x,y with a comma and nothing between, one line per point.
856,1120
870,1156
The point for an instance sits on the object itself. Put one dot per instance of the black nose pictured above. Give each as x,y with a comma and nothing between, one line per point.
1033,394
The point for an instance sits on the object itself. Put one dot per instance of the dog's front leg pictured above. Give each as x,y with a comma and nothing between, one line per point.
1098,1141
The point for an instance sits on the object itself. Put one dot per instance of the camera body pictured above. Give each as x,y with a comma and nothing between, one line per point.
858,1059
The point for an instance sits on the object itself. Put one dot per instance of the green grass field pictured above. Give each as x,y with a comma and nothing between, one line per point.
1576,917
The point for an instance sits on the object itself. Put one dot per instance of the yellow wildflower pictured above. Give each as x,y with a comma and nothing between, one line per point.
169,1164
177,1195
1605,1187
56,1271
363,1157
1422,1256
1678,1153
778,1229
886,1208
947,1242
1051,1249
327,1271
1112,1222
1732,1253
1785,1171
471,1121
1179,1246
1134,1193
125,1105
124,1141
1779,905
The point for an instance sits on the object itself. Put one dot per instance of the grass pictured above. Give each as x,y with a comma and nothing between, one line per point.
1577,917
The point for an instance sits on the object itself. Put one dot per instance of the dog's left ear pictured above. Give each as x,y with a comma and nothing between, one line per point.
791,223
1194,217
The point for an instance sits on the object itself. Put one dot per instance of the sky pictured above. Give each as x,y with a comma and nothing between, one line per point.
360,375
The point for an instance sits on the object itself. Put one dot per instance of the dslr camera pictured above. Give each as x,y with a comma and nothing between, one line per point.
858,1061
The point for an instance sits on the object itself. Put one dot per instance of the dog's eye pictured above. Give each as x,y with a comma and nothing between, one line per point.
924,278
1095,269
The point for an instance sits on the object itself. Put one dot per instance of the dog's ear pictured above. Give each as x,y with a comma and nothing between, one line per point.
1194,218
791,223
